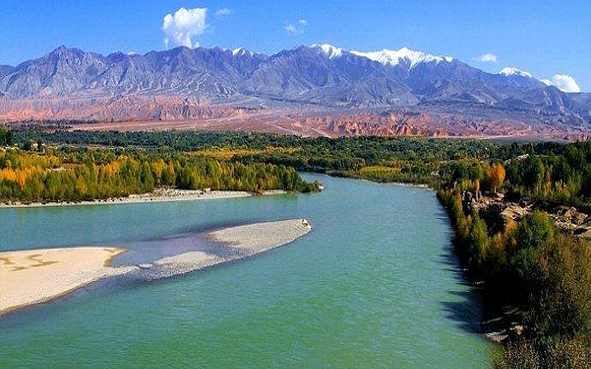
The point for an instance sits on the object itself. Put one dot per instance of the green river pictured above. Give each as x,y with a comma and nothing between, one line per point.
374,285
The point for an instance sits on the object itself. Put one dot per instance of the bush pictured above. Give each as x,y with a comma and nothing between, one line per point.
521,355
560,298
563,354
535,229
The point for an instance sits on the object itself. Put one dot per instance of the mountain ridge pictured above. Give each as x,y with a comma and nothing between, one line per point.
318,75
404,58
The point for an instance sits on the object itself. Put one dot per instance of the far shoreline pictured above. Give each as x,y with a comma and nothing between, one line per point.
410,185
159,195
422,186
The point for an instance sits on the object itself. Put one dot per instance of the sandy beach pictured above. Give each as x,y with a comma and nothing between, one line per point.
159,195
30,277
33,276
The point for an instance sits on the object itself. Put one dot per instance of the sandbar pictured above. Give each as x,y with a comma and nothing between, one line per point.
29,277
260,237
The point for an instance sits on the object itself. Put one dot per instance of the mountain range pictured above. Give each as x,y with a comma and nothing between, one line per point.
71,83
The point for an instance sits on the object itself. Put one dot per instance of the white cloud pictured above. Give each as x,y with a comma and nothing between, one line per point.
180,28
297,27
223,12
564,82
291,28
487,58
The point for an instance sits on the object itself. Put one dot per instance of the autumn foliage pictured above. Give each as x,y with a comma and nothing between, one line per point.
28,177
495,176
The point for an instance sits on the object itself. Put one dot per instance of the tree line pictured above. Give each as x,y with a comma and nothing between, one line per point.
100,174
556,177
416,159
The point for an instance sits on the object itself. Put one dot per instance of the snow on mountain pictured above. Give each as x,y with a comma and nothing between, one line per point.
241,51
394,57
329,50
386,57
510,71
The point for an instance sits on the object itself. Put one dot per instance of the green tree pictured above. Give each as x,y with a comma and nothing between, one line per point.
560,298
535,229
479,240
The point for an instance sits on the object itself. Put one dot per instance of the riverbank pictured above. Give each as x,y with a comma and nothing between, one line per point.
30,277
159,195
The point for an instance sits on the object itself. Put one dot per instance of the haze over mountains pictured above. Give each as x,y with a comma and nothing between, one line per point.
71,83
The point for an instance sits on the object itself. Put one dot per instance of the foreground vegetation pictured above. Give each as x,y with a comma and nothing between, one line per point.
529,265
524,264
544,274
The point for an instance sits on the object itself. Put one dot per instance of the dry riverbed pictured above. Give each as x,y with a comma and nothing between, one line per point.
30,277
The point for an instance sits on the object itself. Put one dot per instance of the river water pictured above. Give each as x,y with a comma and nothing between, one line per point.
374,285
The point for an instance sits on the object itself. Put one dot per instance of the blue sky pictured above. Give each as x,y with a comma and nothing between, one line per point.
543,37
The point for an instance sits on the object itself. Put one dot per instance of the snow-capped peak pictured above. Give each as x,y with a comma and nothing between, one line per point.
510,71
329,50
241,51
393,57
